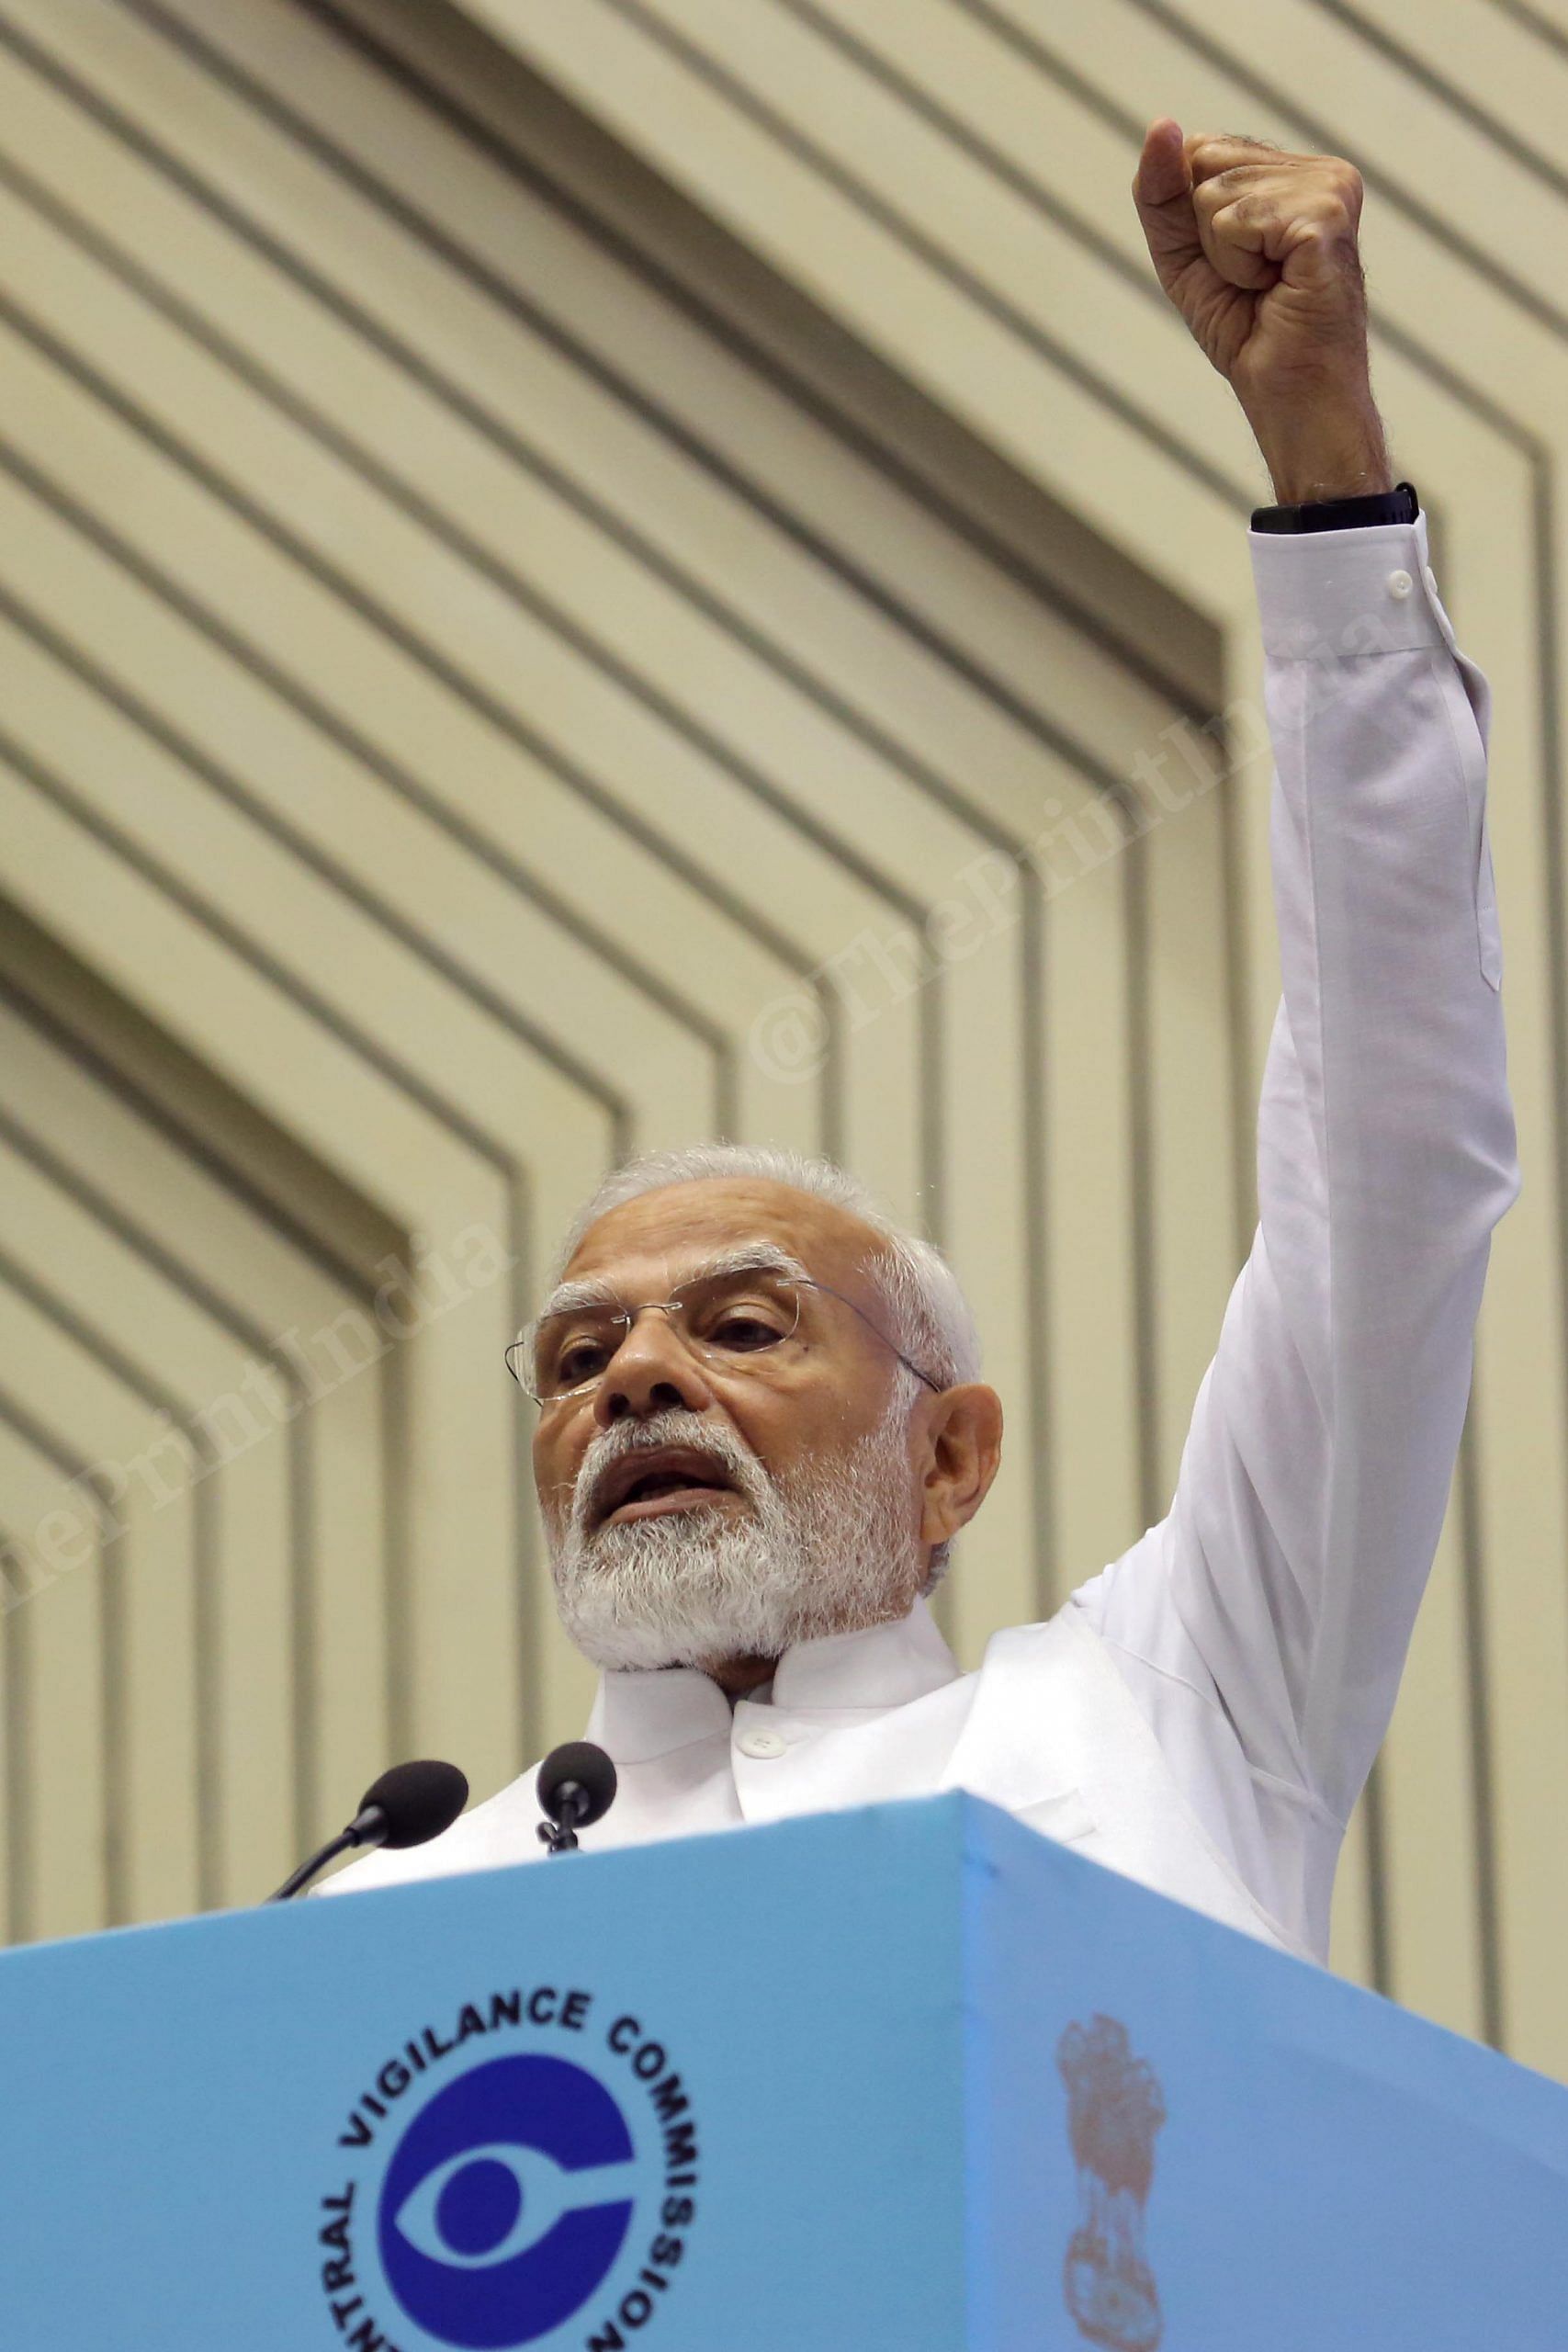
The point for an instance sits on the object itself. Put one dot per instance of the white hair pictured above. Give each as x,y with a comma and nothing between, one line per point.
929,1316
927,1311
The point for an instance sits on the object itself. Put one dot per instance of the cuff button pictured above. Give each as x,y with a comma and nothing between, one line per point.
1400,584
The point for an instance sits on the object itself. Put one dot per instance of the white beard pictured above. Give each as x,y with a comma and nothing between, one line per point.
821,1556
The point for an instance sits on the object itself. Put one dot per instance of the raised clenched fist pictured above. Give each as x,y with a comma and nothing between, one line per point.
1257,250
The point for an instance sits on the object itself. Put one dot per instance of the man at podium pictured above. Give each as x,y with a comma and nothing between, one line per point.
759,1424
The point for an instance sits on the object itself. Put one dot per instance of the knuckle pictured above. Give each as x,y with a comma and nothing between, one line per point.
1210,194
1328,211
1342,182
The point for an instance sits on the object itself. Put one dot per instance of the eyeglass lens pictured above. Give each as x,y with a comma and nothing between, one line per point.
738,1318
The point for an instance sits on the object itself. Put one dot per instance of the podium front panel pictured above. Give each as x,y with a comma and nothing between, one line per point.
909,2079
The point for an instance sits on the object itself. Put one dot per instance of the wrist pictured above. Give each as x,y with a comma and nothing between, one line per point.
1322,455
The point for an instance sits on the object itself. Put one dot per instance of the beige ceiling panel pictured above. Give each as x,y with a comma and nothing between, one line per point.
463,1626
52,1646
1090,1286
556,409
963,355
1496,61
128,1619
217,1644
299,1695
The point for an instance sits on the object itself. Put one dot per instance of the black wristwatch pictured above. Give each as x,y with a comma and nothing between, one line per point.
1400,505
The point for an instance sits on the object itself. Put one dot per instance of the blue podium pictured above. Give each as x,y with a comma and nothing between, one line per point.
908,2078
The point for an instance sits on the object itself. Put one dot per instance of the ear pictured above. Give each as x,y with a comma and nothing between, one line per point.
964,1446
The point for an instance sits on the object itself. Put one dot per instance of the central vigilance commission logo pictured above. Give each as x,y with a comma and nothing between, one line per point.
528,2178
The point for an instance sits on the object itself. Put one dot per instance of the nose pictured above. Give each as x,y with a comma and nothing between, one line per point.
651,1372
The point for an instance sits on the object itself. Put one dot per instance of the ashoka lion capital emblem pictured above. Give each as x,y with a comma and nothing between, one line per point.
1115,2108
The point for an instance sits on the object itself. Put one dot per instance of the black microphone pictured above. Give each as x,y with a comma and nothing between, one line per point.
407,1805
576,1787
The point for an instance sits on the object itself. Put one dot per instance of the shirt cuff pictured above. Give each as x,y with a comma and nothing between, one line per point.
1330,595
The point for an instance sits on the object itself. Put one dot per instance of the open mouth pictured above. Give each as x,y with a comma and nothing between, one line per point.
646,1486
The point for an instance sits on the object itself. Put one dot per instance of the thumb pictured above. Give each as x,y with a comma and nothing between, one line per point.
1162,191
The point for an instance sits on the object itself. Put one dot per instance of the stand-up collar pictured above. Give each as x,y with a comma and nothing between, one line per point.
885,1665
643,1714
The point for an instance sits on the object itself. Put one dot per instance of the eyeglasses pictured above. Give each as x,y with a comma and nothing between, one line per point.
748,1321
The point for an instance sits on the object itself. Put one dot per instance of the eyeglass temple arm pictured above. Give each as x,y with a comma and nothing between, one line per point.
934,1385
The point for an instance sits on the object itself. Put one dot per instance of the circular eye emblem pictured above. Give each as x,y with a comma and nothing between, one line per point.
479,2207
506,2202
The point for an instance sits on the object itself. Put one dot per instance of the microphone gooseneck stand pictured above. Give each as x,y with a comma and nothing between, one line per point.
408,1805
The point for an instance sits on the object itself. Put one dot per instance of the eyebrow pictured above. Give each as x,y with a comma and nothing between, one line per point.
744,1257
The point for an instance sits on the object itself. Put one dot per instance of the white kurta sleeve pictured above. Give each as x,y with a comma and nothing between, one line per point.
1280,1591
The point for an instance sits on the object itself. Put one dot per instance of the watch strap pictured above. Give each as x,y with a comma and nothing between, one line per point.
1400,505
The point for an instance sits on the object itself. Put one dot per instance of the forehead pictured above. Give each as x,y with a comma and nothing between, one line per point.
661,1236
